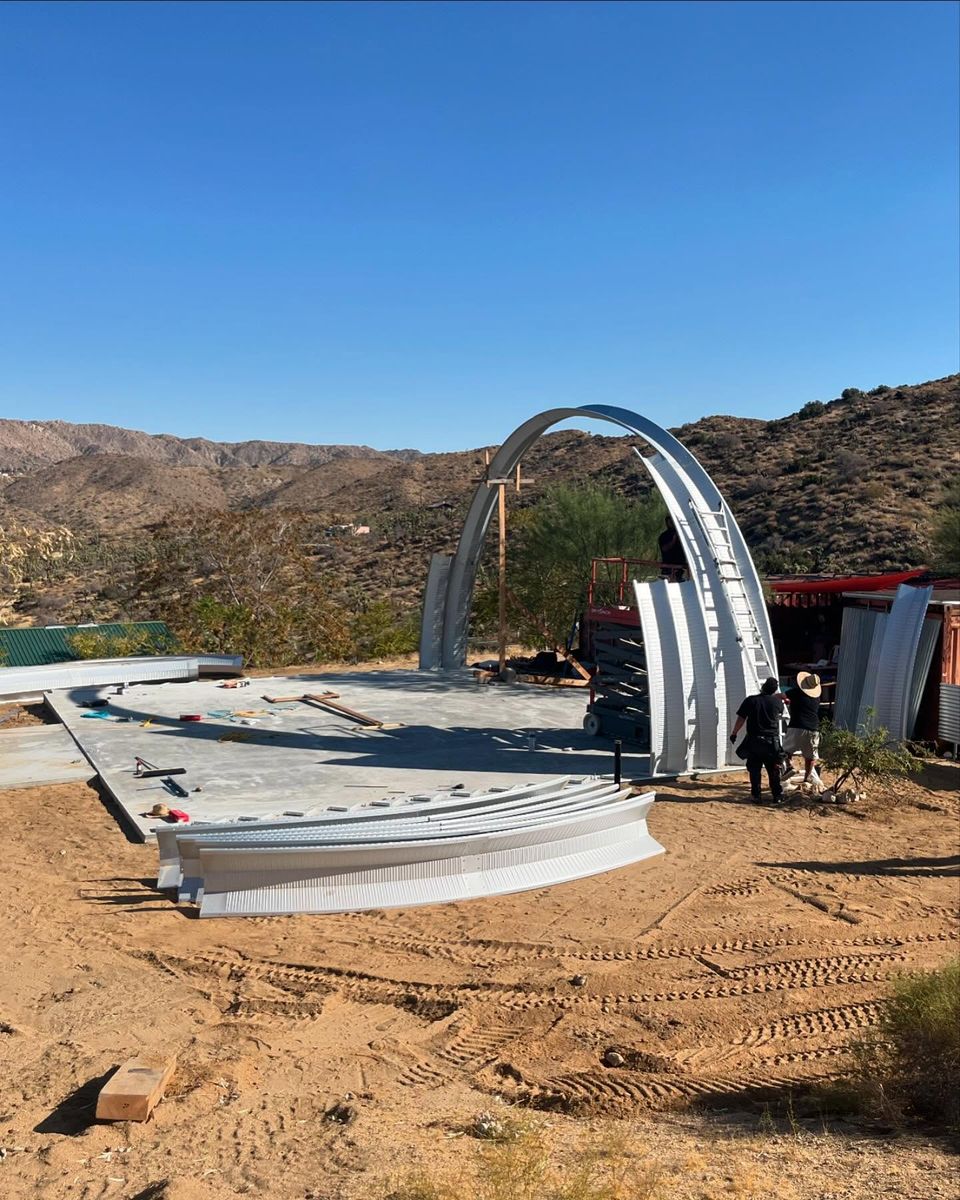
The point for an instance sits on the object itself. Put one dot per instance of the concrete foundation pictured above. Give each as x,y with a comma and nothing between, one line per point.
299,760
38,754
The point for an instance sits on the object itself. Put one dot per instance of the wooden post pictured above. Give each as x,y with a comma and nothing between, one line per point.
502,512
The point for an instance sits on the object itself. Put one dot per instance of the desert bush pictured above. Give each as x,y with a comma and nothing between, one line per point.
866,754
908,1068
851,394
813,408
380,631
848,465
131,643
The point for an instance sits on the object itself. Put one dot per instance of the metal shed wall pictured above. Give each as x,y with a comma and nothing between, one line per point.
38,646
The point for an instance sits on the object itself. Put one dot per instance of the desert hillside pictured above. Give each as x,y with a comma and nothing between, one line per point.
847,485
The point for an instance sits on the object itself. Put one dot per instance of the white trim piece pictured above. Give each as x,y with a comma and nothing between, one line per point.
96,672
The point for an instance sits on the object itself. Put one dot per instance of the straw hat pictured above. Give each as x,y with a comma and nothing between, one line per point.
809,683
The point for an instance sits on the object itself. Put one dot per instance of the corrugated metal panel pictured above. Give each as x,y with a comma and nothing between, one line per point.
860,626
431,620
704,709
949,728
44,644
291,879
15,681
894,673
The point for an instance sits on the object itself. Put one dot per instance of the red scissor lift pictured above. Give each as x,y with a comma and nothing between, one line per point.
613,639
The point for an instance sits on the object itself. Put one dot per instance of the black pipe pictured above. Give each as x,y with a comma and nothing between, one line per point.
617,748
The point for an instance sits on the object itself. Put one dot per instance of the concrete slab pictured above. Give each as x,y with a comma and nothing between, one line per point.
37,754
299,760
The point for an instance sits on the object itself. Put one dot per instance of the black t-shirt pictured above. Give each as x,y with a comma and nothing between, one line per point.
762,714
804,709
671,551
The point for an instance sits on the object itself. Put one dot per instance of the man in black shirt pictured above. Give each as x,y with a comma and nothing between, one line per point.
803,734
761,747
673,561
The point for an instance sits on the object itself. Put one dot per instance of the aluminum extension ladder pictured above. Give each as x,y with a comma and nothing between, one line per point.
715,529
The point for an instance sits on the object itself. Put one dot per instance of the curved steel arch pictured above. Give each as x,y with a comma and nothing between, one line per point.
737,625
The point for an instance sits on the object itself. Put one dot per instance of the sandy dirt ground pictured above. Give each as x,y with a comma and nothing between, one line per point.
725,973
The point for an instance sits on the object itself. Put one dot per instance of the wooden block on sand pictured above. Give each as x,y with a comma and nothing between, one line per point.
132,1093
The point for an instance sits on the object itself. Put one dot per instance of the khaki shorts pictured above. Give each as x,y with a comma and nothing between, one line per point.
802,741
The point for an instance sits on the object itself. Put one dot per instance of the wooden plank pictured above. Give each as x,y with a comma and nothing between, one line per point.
294,699
326,701
135,1089
553,681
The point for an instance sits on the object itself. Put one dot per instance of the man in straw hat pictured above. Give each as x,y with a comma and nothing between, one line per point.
803,732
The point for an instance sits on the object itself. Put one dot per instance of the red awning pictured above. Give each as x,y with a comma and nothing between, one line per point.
849,583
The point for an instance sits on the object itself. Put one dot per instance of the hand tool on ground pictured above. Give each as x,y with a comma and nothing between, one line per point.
148,770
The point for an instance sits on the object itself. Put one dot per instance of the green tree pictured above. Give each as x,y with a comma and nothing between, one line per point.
945,541
550,549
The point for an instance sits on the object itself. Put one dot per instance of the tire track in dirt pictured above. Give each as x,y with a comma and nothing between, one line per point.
467,951
366,988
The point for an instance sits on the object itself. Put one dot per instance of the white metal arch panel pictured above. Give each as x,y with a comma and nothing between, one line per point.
731,672
685,733
242,883
656,678
704,690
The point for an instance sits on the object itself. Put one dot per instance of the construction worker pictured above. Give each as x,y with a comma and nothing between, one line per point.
673,561
762,714
803,732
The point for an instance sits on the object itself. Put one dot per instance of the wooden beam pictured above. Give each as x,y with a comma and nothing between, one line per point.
135,1089
553,681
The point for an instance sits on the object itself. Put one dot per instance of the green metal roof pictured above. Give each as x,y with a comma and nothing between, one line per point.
51,644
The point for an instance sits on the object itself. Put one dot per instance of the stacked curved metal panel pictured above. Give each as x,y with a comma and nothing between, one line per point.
422,850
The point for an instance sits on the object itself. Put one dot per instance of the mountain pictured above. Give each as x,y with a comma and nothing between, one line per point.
852,484
30,445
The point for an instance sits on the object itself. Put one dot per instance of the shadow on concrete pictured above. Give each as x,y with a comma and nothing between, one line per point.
903,867
75,1114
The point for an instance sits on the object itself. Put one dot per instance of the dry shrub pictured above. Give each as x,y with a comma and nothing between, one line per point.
515,1163
908,1069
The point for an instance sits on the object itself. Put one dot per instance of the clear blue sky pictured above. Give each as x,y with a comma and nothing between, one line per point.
417,224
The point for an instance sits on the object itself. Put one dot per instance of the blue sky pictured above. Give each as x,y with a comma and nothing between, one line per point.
416,225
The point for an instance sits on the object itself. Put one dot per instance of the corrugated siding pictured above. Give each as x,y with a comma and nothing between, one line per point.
950,712
860,627
50,643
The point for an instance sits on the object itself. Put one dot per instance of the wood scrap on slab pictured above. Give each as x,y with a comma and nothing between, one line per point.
326,702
